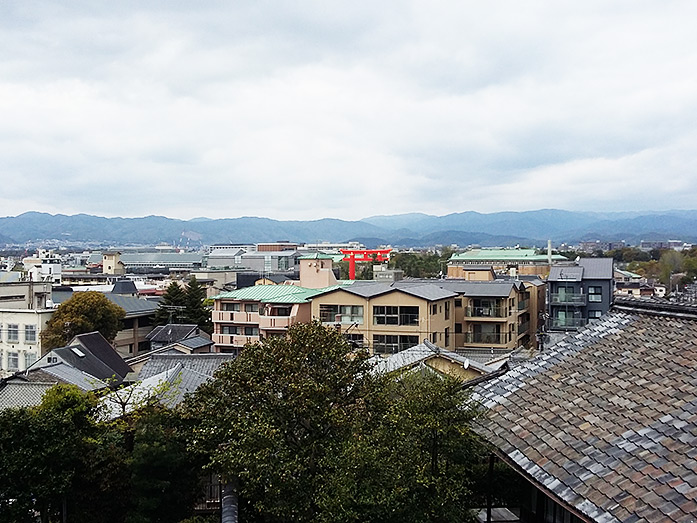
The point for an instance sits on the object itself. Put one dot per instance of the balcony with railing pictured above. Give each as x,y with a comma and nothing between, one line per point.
568,298
523,304
567,323
235,317
523,327
235,340
491,338
276,322
486,312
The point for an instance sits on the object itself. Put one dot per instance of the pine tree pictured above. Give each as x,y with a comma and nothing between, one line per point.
173,297
196,312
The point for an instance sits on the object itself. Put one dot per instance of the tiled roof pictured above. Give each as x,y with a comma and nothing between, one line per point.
171,332
96,344
606,420
133,305
201,363
22,394
169,387
196,342
565,273
597,268
421,353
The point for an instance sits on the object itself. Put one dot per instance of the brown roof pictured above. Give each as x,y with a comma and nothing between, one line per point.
606,420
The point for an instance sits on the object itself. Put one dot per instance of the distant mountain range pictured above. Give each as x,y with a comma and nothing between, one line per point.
403,230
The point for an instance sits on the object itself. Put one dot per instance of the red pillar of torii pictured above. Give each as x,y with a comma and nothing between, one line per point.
363,255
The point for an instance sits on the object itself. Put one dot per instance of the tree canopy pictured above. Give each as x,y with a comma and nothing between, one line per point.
84,312
310,434
64,457
184,305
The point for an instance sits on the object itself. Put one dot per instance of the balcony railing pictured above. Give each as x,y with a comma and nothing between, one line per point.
235,317
236,340
486,312
568,298
276,322
493,338
523,327
567,323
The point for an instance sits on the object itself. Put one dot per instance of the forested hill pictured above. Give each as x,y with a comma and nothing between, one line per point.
408,230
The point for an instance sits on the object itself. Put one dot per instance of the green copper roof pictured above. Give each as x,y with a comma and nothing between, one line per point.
481,255
275,293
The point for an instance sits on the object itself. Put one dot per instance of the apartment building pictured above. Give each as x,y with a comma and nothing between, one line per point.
387,317
579,292
25,308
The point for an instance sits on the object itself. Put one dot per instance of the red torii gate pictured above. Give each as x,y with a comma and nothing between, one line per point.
363,255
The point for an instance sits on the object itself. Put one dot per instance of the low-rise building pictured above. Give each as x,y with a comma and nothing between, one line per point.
519,261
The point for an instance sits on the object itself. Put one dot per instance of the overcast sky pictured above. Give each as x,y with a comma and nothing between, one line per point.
301,110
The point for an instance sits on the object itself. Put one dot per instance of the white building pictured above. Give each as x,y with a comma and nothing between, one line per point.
25,308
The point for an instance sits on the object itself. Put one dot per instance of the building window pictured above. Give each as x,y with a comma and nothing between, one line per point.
229,329
458,328
351,314
231,307
595,294
251,307
594,314
251,331
434,309
13,361
385,315
447,337
447,311
434,337
12,333
391,344
30,334
458,302
29,359
408,315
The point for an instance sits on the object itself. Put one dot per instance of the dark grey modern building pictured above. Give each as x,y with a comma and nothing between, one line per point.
579,292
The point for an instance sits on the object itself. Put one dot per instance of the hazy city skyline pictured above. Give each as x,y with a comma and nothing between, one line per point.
310,110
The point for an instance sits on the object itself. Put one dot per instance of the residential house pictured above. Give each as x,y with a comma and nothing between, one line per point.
92,354
163,335
579,292
132,339
427,357
602,426
26,388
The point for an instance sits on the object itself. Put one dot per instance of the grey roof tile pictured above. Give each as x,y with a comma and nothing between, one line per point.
621,399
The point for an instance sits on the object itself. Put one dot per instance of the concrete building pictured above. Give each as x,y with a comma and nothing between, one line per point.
385,317
25,308
579,292
512,261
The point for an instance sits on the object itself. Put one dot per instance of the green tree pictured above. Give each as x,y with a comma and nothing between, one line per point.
273,416
41,453
195,310
310,434
83,312
671,262
171,306
62,457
